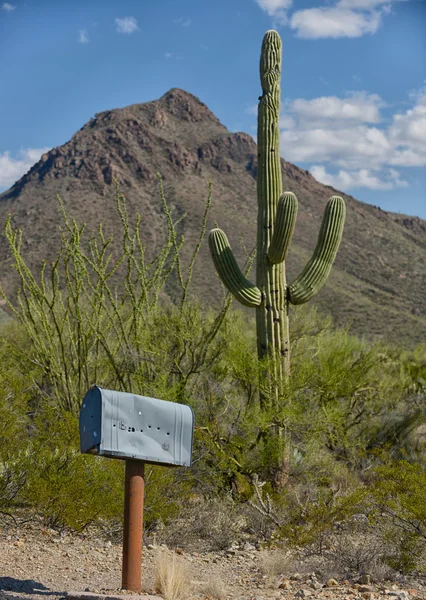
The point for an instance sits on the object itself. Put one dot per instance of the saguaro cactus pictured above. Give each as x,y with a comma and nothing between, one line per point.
276,219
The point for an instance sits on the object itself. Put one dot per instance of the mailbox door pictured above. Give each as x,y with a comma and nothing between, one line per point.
90,421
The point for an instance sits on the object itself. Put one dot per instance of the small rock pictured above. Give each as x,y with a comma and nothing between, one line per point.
315,585
296,576
332,583
283,583
365,588
367,595
249,547
303,593
400,594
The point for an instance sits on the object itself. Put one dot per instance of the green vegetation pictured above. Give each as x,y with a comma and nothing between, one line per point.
276,219
353,411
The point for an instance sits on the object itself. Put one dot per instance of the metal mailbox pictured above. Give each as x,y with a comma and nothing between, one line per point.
127,426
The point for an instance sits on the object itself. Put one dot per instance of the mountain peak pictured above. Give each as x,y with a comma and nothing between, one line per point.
186,106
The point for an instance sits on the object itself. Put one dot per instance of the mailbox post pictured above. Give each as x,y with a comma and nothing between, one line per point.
133,525
138,430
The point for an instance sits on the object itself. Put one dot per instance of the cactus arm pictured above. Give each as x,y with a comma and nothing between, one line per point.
285,221
229,272
315,274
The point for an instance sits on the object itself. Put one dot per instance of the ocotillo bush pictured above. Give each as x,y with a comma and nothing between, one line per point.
276,219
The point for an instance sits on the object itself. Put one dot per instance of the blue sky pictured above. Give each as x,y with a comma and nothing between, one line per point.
353,80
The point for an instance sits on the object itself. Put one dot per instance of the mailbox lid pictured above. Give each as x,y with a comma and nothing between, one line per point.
148,429
90,421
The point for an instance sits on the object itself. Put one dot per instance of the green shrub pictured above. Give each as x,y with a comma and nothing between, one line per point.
16,393
68,489
397,494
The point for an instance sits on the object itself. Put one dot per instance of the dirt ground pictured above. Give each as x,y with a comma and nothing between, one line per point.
38,563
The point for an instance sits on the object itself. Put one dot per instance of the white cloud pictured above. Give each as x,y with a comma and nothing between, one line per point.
409,128
8,7
126,25
419,95
334,22
341,18
339,131
83,38
350,135
183,22
358,106
12,169
408,158
361,4
286,122
350,148
276,9
345,180
170,55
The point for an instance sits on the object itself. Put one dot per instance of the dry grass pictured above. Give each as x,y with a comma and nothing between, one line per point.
273,563
214,589
171,576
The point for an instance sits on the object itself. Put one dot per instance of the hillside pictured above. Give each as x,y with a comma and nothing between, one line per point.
378,283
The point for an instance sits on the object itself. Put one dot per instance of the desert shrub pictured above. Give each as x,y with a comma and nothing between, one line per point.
16,394
358,547
167,491
68,489
84,329
205,524
396,492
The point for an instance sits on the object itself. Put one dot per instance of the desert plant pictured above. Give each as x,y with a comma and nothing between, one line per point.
214,589
276,219
84,329
396,492
172,579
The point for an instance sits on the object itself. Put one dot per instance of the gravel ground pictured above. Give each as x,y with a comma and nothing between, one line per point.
36,563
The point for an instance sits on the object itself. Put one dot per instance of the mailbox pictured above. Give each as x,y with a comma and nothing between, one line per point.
123,425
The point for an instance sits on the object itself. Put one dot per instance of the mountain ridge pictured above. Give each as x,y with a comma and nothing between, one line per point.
179,137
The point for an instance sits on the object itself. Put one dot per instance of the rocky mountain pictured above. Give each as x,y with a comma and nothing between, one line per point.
378,283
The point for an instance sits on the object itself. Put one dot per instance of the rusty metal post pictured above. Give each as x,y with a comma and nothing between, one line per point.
133,526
